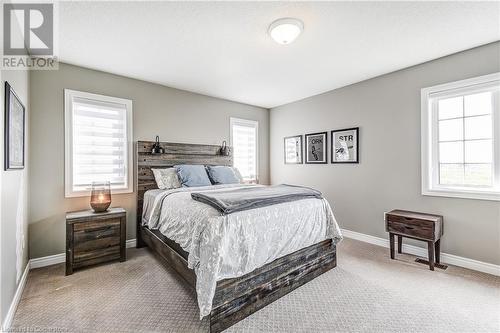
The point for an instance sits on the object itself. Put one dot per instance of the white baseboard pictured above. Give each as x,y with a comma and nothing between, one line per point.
421,252
15,301
48,260
130,243
61,257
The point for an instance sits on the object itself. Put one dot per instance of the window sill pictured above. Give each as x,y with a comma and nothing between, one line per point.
476,195
80,194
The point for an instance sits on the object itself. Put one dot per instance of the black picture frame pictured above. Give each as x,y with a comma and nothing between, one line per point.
333,146
15,128
301,154
325,149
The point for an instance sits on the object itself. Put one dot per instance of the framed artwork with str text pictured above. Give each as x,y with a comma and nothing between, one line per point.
345,145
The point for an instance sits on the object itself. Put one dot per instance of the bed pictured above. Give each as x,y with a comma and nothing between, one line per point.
209,247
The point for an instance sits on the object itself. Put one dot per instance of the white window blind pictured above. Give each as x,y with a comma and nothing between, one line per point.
244,140
98,142
462,139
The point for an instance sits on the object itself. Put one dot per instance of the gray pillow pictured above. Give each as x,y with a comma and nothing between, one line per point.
222,175
192,175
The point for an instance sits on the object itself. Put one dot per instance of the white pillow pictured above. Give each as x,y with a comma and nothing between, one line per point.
238,174
166,179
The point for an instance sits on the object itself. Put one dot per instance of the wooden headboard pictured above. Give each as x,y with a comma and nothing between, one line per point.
174,153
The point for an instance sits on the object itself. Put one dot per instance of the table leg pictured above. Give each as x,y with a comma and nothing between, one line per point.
391,242
430,248
400,244
437,249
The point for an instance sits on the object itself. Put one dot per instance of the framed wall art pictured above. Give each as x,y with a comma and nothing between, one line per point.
316,148
14,130
345,145
293,149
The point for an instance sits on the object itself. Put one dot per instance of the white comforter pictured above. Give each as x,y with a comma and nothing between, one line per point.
233,245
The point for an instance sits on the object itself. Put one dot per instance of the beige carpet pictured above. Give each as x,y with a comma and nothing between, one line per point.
367,292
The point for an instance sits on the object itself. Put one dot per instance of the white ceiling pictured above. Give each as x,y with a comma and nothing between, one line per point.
222,49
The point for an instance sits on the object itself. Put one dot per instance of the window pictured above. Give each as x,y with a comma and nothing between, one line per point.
461,139
244,140
98,146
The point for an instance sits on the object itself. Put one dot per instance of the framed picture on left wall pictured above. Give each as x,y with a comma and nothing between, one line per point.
14,130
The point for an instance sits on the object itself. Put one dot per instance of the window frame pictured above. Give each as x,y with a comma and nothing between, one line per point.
246,122
429,141
69,95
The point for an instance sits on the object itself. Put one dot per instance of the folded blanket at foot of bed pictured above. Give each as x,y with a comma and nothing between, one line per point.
240,199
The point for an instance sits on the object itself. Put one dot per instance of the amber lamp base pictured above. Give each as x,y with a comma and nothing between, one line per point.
100,207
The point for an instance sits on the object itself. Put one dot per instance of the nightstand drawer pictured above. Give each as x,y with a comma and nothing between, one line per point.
418,231
409,221
105,231
96,225
96,244
85,257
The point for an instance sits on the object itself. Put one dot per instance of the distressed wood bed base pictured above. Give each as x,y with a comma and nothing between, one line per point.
235,298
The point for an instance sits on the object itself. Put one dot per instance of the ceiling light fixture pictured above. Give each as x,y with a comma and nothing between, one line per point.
285,30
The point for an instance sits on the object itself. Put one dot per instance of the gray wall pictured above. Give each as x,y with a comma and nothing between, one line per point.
13,202
387,110
175,115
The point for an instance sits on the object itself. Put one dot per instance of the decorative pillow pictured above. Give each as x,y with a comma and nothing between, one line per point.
192,175
166,179
222,175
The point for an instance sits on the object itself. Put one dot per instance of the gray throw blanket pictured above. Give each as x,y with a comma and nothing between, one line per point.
245,198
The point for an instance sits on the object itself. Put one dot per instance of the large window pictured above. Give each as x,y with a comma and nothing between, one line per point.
461,139
244,140
98,147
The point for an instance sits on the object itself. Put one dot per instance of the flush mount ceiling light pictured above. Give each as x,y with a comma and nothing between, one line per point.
285,30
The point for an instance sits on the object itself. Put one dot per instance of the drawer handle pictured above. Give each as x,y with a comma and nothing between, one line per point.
408,227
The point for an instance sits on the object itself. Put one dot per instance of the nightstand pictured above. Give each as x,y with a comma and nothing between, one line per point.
93,238
421,226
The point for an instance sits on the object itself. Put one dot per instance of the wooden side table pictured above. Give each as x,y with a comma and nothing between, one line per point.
93,238
420,226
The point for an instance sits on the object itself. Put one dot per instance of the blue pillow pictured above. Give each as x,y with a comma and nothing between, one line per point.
222,175
192,175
